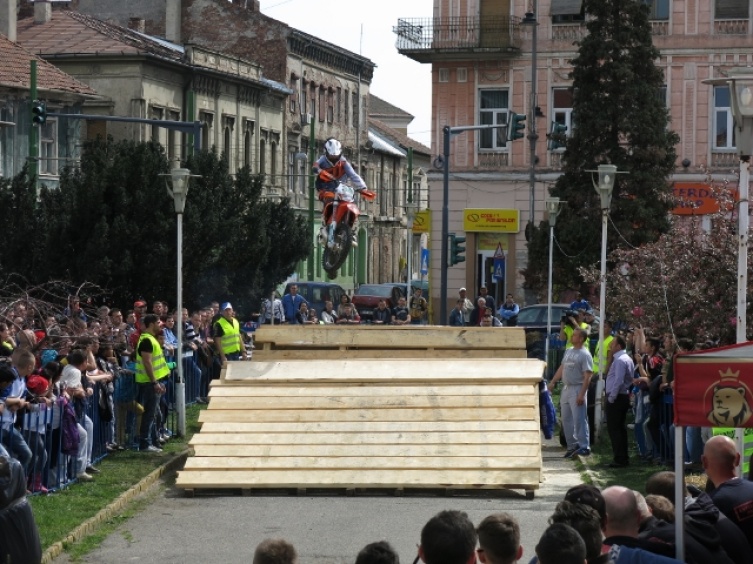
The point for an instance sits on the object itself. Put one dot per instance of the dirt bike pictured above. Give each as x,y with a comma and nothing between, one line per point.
340,227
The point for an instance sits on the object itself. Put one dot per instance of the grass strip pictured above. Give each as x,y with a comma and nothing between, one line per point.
57,515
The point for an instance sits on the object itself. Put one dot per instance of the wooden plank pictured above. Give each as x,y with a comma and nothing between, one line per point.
332,354
366,390
514,371
344,402
386,415
392,337
478,426
366,451
516,437
328,478
368,465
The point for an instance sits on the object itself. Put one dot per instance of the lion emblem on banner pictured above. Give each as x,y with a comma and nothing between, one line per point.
730,401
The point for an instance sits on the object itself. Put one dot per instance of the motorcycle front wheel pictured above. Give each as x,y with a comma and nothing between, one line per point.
333,257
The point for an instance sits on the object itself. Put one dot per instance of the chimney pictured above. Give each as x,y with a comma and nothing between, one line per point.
137,24
42,11
8,15
172,20
251,5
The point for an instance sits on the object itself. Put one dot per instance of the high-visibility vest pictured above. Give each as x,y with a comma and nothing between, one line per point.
230,333
159,365
599,355
747,445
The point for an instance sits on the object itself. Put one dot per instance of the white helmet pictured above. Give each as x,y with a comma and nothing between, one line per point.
333,150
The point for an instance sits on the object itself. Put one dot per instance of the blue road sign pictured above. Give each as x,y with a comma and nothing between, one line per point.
424,262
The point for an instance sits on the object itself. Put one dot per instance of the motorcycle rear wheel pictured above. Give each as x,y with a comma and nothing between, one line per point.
334,257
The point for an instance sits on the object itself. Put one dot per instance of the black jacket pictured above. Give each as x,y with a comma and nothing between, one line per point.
702,543
732,539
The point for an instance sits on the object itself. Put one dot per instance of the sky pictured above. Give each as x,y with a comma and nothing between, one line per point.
365,27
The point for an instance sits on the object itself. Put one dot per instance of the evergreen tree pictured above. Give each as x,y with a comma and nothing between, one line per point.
620,117
111,223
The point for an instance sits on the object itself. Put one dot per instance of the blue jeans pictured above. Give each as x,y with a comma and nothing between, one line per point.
693,445
642,411
574,418
17,447
149,399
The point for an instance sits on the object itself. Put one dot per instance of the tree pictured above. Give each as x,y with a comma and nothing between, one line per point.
112,224
683,282
620,117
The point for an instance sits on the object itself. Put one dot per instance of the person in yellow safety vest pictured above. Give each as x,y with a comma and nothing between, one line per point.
151,369
602,359
227,336
570,322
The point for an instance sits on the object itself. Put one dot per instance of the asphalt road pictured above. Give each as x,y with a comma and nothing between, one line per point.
324,528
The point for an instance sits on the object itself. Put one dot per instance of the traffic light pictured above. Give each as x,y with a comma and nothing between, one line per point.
456,249
516,126
557,136
38,112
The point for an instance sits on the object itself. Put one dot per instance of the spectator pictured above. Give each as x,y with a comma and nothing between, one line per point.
467,305
649,366
7,342
509,310
400,313
275,551
589,495
118,330
483,292
575,371
381,314
313,317
477,314
139,309
291,304
499,539
345,301
378,553
700,507
348,315
732,495
489,320
36,419
302,316
660,507
151,369
418,307
561,544
74,309
623,525
581,303
272,309
329,316
14,401
586,521
171,340
457,317
448,538
619,383
74,385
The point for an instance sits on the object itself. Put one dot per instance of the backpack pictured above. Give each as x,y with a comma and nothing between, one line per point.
70,438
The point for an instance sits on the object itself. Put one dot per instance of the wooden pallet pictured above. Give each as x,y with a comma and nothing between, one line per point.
430,421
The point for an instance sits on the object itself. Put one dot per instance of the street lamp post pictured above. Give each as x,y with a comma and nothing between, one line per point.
553,207
530,19
604,189
177,187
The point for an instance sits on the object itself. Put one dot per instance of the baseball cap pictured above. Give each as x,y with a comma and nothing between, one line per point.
37,385
226,305
462,290
139,303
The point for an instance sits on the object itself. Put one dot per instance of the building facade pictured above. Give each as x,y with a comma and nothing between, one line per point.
481,53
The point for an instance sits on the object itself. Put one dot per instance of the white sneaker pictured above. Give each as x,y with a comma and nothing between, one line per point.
151,448
84,477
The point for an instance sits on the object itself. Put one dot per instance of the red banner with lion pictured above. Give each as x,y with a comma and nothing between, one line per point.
714,388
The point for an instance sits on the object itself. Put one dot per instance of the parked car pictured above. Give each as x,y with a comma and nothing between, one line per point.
366,298
533,318
316,293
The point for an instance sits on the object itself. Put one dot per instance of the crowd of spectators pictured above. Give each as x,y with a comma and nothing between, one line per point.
616,525
69,383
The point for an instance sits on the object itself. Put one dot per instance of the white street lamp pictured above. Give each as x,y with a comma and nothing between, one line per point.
177,188
604,187
553,208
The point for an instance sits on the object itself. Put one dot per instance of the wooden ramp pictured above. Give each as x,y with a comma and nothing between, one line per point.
385,422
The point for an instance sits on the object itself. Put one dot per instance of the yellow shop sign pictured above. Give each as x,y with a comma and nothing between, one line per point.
486,220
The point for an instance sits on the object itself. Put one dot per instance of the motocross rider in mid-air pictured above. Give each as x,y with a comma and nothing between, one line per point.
330,169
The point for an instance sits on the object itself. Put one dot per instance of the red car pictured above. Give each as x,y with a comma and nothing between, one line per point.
366,298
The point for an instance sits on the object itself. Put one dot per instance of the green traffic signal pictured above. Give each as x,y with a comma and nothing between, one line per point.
456,249
557,136
516,126
38,112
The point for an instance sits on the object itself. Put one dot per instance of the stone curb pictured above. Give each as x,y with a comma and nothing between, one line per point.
115,507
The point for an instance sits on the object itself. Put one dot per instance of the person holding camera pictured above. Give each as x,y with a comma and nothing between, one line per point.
568,325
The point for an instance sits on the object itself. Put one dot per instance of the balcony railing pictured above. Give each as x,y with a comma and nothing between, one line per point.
731,27
427,39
